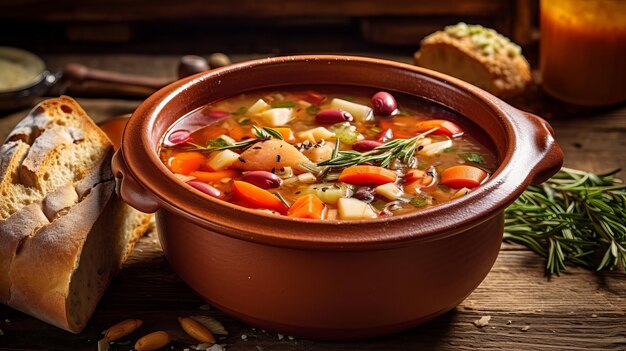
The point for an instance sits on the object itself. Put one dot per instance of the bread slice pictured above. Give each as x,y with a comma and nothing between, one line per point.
477,55
63,231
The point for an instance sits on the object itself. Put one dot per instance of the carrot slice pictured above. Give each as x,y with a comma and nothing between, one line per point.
445,127
463,176
212,177
252,196
287,134
367,175
417,180
237,131
414,174
408,126
186,162
307,206
401,126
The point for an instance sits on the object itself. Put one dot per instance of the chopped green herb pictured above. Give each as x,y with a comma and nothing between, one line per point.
219,142
422,165
244,121
449,150
472,157
278,104
240,111
272,132
312,110
379,205
418,201
347,98
443,187
375,130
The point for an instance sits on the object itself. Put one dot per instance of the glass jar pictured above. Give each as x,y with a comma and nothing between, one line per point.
583,50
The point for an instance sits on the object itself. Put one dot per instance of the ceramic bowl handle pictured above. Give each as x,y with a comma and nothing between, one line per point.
129,189
551,155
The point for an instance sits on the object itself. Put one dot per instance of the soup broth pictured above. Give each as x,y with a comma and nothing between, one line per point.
328,152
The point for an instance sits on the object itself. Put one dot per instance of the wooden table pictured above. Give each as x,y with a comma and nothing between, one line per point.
580,310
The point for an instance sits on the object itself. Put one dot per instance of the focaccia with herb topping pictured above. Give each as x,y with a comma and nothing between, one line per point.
477,55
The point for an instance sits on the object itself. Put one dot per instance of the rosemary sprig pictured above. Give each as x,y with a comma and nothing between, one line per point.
576,216
260,134
397,149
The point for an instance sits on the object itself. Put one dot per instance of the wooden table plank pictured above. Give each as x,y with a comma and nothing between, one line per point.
578,310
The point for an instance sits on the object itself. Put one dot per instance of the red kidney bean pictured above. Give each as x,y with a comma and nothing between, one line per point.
333,116
314,98
384,104
218,114
385,135
365,145
262,179
206,188
364,194
178,137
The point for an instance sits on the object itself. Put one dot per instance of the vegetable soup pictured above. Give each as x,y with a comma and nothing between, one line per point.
328,153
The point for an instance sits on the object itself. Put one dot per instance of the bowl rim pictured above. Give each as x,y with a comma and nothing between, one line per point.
27,59
463,213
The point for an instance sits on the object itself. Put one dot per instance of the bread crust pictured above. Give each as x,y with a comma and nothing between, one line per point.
63,231
53,253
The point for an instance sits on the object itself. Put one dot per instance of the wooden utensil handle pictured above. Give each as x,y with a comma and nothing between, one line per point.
77,73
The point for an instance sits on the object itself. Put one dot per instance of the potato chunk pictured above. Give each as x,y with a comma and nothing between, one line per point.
351,208
319,152
270,155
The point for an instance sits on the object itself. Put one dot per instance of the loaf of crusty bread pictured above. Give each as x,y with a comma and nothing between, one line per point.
63,231
477,55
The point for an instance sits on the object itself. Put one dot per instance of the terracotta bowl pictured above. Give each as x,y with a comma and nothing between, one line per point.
332,279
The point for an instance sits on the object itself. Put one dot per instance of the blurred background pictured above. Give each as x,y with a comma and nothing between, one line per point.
249,26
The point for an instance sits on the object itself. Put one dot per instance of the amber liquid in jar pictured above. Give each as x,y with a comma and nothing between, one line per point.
583,51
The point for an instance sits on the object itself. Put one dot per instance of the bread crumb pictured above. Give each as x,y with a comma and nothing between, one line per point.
7,321
259,348
482,322
509,322
290,338
468,305
594,315
1,332
525,328
281,336
244,337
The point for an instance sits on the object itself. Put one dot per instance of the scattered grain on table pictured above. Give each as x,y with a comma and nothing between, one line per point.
482,322
212,324
525,328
